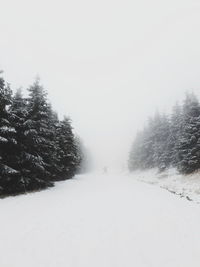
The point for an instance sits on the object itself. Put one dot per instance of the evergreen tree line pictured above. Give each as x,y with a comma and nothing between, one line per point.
36,148
170,141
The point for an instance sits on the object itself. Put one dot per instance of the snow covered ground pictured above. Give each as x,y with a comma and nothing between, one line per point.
100,220
187,186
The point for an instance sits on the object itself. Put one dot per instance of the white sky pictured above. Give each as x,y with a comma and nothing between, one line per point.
108,64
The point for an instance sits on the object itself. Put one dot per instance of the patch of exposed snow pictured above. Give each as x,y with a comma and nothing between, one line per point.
187,186
3,140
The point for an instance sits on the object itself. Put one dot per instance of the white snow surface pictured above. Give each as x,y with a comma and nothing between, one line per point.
187,186
97,220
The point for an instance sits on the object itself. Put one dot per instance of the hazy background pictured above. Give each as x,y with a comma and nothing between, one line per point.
108,64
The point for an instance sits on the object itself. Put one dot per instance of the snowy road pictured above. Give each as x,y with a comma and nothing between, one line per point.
100,221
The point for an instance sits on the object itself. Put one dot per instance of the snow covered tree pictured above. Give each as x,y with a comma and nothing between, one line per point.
161,128
175,142
18,114
53,158
35,147
79,154
189,138
38,135
175,132
150,148
8,175
67,150
21,158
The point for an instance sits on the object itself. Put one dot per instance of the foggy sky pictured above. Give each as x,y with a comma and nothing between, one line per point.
108,64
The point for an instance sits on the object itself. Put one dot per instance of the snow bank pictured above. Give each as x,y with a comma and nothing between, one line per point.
187,186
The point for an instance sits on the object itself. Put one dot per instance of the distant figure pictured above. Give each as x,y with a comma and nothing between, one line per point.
105,169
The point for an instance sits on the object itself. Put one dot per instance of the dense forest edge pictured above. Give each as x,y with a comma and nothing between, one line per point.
170,141
36,148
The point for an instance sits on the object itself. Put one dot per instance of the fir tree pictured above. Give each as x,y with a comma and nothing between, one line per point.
161,130
18,115
38,136
35,147
53,157
150,148
175,132
189,139
8,175
67,149
21,158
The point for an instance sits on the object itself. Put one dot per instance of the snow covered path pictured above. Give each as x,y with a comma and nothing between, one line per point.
100,221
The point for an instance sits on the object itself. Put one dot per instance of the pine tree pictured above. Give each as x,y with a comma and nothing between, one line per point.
80,156
21,158
161,152
67,149
189,139
53,157
18,115
8,175
150,148
38,136
35,147
175,132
